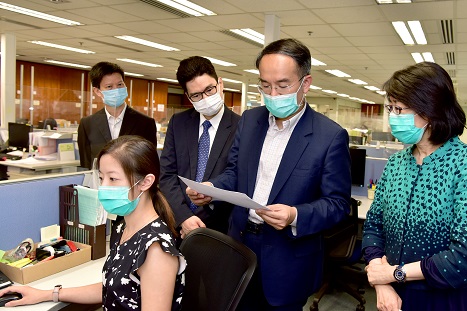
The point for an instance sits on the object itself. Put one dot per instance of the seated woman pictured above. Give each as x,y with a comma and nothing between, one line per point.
144,269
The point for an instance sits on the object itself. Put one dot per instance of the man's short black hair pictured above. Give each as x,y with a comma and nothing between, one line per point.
290,47
101,69
193,67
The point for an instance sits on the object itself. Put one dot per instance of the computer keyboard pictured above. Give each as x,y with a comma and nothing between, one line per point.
4,281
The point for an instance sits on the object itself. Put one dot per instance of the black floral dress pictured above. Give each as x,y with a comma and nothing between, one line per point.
121,285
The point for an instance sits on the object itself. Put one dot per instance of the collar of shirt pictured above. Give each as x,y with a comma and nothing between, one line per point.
290,123
215,121
117,119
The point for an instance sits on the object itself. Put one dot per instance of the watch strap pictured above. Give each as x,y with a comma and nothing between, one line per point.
56,293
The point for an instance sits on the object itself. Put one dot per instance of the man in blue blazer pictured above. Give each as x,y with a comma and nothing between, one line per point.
296,162
116,119
204,89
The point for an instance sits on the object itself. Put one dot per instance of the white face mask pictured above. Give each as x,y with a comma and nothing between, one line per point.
210,105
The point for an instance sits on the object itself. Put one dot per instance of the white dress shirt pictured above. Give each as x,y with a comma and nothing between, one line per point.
271,155
115,124
215,121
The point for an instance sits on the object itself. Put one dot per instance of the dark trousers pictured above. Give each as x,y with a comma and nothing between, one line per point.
253,299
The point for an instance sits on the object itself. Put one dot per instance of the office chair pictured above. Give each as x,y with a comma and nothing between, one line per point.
52,122
218,271
342,250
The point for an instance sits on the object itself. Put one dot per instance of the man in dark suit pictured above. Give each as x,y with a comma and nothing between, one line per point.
296,162
116,119
181,154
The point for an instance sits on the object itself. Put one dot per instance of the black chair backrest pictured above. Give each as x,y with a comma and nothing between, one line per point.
340,240
218,271
51,122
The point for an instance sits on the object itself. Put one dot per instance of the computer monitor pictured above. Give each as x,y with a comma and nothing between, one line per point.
18,135
357,166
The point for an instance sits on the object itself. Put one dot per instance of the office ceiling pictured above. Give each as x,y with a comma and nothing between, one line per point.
354,36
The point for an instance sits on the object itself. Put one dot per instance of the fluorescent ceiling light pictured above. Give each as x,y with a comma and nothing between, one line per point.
131,74
138,62
220,62
187,7
407,37
255,71
253,85
147,43
249,34
354,98
371,88
253,93
342,95
393,1
63,47
37,14
230,80
428,57
381,92
232,90
403,32
338,73
66,64
423,57
167,80
357,81
315,62
314,87
417,57
329,91
417,31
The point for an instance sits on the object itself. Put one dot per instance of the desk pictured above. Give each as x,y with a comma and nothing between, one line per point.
84,274
31,166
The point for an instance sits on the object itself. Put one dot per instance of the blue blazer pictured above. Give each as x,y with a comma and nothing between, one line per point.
314,176
180,157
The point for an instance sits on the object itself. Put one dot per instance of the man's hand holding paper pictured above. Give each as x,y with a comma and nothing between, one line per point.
203,193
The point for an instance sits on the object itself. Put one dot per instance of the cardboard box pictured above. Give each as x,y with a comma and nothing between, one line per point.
42,269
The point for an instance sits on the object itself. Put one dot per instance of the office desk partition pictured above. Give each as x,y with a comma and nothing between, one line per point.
26,205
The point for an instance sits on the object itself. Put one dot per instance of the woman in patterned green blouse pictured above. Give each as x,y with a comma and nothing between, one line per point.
415,234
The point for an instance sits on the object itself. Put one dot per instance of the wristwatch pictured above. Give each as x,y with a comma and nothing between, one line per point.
399,274
56,292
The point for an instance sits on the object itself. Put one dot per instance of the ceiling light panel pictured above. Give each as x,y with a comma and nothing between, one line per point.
187,7
403,32
250,34
220,62
357,81
139,62
338,73
66,64
417,31
147,43
37,14
63,47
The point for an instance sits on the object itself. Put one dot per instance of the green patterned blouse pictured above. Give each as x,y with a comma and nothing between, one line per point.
420,211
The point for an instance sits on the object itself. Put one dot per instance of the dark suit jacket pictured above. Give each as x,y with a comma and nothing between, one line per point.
94,133
313,176
180,157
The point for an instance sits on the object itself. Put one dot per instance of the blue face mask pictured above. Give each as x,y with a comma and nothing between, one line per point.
282,106
115,200
115,97
403,128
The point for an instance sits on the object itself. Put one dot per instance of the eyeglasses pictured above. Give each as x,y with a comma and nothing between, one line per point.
209,91
280,89
396,109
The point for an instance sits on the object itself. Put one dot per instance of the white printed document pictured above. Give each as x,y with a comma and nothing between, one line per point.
237,198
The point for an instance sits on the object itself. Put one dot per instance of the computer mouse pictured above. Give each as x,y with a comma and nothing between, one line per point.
9,297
